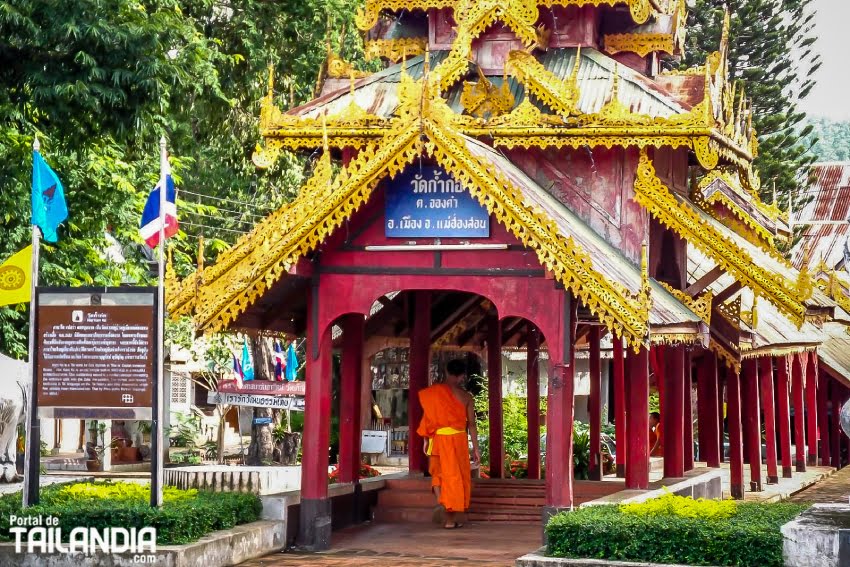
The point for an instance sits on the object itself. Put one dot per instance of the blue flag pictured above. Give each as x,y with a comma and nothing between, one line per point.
291,363
48,199
247,365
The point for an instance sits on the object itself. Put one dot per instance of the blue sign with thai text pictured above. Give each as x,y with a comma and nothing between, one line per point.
428,202
262,420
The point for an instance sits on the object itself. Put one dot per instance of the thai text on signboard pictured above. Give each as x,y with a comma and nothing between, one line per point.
295,403
267,387
95,350
428,202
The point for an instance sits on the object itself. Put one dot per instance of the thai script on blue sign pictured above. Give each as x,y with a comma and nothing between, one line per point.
428,202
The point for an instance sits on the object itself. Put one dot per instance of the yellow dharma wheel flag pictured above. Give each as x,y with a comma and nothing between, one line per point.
16,278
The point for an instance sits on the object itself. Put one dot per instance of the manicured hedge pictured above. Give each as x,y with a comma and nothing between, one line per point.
750,537
186,515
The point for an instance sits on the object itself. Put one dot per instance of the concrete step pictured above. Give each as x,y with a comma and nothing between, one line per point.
423,516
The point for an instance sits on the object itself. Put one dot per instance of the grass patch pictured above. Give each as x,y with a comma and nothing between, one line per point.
674,529
185,516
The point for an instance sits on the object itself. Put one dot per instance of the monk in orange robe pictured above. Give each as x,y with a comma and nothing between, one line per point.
448,416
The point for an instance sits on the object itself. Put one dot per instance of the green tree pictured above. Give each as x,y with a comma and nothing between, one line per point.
772,51
830,139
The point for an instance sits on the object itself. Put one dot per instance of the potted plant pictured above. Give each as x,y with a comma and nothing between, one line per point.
95,448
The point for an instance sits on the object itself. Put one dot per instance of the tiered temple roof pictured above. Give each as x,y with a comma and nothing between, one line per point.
471,82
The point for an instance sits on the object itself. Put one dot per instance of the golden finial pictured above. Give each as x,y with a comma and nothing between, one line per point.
351,79
325,130
427,60
170,276
200,254
754,314
615,84
644,260
271,82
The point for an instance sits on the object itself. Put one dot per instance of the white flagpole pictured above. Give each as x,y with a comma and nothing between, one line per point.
33,446
156,492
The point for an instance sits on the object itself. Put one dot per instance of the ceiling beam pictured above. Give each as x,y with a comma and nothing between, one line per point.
706,280
448,322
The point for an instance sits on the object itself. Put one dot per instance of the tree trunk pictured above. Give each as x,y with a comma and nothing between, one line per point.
219,452
261,449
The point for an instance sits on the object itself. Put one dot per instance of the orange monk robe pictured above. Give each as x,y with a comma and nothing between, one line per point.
659,451
442,410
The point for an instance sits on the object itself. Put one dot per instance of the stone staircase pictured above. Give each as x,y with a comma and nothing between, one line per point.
493,500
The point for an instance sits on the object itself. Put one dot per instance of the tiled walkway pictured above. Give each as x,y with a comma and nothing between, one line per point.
835,489
408,545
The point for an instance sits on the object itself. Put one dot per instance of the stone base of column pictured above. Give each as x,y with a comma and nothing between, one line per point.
621,471
755,486
773,480
812,461
801,465
314,530
787,472
737,491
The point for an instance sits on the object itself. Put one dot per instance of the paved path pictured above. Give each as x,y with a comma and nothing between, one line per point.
834,489
408,545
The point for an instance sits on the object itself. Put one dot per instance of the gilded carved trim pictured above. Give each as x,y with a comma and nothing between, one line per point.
641,43
395,49
726,357
651,193
560,95
700,305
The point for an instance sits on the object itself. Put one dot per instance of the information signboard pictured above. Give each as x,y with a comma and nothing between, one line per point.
267,387
428,202
295,403
96,352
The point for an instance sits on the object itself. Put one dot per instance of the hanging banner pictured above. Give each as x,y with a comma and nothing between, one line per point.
428,202
295,403
95,352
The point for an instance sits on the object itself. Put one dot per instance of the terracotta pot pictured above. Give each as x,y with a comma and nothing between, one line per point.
93,465
129,455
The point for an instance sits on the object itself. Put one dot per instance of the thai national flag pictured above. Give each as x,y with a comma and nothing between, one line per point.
151,216
279,362
237,371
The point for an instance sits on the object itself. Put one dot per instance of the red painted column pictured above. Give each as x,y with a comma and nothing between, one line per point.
620,433
494,391
637,420
420,366
709,427
751,420
559,417
533,397
315,510
595,465
767,403
736,446
823,419
798,397
812,407
835,433
349,407
721,409
783,371
689,414
672,412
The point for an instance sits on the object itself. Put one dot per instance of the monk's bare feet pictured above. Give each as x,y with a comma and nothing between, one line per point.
439,514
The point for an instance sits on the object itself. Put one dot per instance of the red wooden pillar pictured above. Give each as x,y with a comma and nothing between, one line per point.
672,411
812,407
595,465
420,366
637,420
707,399
823,418
620,433
533,397
736,447
835,395
349,407
315,511
751,420
783,370
721,410
494,391
559,417
766,386
798,397
689,414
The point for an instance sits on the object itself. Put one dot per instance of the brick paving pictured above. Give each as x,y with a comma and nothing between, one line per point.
834,489
409,545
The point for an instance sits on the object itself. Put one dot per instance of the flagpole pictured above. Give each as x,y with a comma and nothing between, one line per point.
33,434
158,450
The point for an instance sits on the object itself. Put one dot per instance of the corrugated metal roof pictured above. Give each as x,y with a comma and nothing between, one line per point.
607,260
830,201
378,93
835,351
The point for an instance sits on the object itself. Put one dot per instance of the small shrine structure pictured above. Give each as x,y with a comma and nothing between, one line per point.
532,172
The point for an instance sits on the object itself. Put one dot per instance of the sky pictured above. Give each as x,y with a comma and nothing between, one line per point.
831,96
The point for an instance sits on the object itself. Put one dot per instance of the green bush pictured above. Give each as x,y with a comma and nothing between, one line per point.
750,537
185,516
